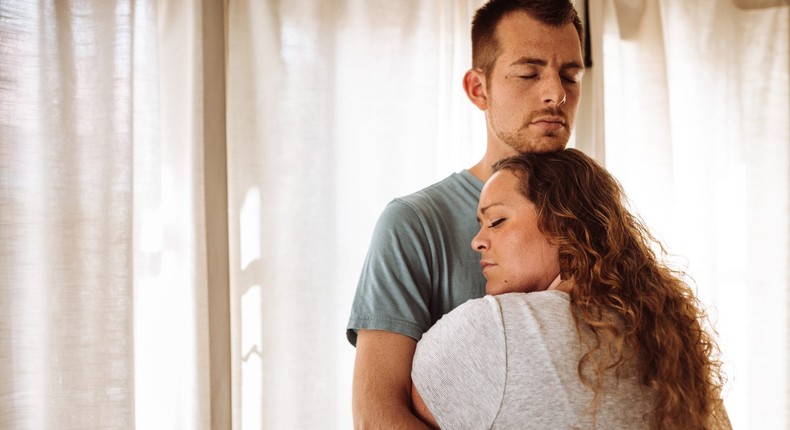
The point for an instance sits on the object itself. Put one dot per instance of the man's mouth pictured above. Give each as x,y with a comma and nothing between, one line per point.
549,120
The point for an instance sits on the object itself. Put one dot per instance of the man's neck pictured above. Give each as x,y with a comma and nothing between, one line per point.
494,152
481,170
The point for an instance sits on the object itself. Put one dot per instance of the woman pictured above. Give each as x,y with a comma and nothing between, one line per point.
617,340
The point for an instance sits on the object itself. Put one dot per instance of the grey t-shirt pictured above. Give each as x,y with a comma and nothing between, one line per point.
511,362
420,264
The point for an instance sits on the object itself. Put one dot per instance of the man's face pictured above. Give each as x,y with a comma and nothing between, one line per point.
534,87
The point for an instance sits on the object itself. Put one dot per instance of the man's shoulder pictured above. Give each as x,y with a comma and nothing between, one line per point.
458,189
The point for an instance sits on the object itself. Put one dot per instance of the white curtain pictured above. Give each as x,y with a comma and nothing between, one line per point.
187,190
334,108
113,216
181,318
697,127
66,224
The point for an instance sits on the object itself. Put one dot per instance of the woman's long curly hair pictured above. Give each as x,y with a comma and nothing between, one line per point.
606,251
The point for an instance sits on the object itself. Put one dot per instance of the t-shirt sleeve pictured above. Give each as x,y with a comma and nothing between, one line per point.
459,367
394,287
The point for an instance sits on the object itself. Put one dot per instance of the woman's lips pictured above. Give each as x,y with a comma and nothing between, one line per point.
486,264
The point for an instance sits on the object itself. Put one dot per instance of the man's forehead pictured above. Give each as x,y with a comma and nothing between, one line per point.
518,31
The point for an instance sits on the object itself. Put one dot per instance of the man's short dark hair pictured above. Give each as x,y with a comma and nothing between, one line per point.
485,46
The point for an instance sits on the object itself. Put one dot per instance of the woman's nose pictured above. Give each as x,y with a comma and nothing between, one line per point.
478,242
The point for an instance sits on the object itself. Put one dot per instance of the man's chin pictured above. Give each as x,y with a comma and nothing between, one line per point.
529,142
546,144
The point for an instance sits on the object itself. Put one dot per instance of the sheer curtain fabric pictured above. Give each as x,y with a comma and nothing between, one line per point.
334,108
697,107
187,190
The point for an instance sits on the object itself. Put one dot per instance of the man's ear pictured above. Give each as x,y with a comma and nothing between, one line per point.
475,88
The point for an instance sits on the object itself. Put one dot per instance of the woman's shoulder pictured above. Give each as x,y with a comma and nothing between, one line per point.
547,296
486,307
489,311
547,307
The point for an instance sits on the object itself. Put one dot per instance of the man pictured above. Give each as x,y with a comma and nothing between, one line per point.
526,70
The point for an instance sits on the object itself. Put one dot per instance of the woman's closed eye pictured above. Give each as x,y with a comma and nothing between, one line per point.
496,222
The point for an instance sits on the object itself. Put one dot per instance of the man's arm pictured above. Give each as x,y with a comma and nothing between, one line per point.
382,381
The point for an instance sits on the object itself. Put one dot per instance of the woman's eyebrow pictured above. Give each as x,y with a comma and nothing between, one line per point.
483,209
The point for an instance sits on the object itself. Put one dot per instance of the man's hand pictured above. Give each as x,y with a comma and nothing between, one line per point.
382,381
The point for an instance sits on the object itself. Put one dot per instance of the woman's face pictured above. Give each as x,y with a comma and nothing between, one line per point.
514,254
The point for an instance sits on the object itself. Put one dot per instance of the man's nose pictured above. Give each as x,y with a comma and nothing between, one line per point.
552,91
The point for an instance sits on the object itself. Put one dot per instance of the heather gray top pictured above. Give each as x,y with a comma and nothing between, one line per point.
420,264
510,362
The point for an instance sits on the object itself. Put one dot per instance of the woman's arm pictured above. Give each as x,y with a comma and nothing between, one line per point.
458,371
421,409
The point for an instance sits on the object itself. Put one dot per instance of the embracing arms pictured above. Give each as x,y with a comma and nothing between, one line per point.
382,381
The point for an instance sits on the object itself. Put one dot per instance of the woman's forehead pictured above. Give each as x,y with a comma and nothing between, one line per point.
502,188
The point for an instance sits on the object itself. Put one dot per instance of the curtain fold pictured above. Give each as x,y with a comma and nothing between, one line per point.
589,134
697,104
181,293
282,188
66,221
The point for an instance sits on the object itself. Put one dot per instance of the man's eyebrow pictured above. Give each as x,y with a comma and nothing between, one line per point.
540,62
529,60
